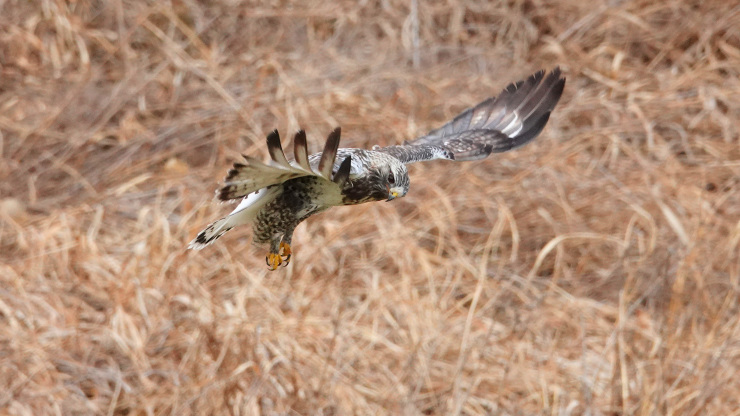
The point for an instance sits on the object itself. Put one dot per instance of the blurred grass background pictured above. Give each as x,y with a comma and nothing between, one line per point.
595,271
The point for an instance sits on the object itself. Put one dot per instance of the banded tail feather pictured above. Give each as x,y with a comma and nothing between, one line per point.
210,234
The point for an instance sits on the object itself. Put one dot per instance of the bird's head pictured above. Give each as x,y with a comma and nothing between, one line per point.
394,178
381,178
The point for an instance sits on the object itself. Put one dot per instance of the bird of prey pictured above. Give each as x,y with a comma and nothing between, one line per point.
278,195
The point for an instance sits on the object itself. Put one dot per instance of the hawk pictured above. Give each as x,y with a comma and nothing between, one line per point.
278,195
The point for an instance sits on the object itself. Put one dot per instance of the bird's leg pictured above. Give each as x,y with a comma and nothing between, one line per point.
273,258
285,250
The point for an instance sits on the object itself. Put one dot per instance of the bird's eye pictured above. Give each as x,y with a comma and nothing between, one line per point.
391,179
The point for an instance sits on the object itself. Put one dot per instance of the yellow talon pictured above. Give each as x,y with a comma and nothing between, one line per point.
273,261
285,252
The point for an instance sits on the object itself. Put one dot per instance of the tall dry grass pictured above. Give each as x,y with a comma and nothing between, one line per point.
595,271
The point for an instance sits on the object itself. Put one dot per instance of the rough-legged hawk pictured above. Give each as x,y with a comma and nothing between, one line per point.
278,195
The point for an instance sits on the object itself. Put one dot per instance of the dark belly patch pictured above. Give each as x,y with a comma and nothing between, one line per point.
297,202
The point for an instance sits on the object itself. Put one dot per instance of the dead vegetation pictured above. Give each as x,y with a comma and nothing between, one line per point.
595,271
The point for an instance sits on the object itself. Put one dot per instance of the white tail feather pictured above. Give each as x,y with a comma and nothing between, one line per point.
244,213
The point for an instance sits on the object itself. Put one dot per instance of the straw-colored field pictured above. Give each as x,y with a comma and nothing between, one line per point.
595,271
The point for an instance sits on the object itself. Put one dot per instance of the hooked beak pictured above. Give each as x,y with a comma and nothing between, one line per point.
393,193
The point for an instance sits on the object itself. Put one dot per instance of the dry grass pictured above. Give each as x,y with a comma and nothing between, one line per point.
596,271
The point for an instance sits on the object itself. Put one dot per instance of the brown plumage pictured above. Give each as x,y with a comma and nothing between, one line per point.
279,195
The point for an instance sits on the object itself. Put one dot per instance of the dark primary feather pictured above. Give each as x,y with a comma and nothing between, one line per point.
326,164
525,101
300,149
497,124
253,175
275,148
340,178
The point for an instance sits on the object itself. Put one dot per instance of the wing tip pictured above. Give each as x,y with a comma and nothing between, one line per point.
533,131
300,149
537,106
275,148
326,163
272,136
225,193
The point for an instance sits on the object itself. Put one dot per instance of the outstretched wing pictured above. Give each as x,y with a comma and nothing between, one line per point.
495,125
253,175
